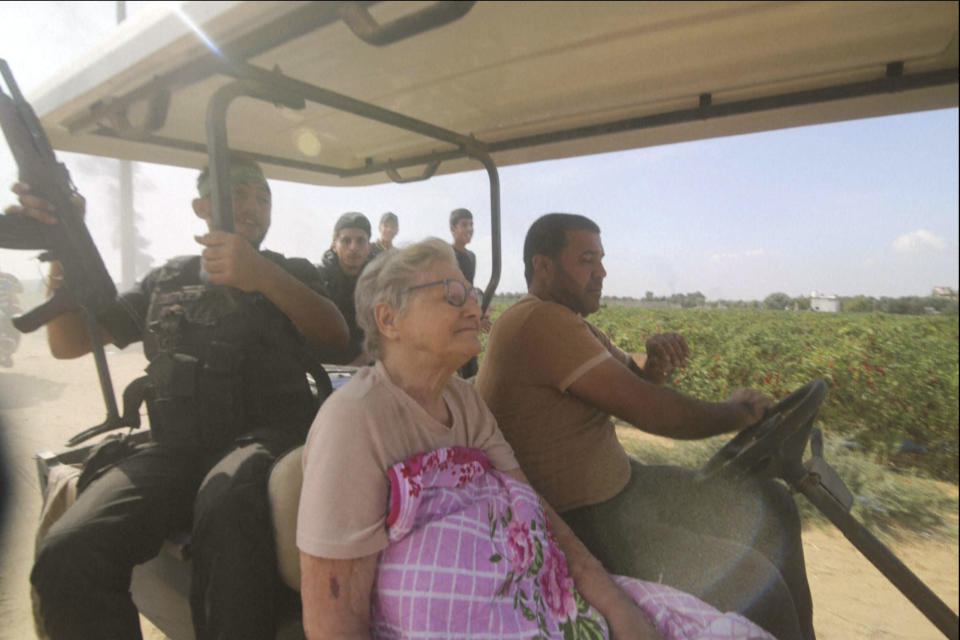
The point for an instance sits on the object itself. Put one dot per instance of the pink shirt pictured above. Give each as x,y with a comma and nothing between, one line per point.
359,433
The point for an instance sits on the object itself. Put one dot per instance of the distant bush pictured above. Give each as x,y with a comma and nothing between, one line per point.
912,305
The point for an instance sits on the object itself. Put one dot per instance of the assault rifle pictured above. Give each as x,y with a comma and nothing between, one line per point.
87,284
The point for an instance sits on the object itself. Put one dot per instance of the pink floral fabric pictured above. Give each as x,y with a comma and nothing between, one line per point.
471,556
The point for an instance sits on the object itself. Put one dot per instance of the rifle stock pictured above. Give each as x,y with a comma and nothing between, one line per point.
68,241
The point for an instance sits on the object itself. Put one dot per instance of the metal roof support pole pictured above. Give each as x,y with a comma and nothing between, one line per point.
221,199
221,196
484,158
359,20
495,257
276,81
267,86
892,81
892,568
274,87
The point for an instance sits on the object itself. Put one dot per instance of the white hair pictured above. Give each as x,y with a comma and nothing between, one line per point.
385,280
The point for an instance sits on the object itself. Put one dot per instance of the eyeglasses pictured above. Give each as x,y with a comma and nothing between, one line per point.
455,292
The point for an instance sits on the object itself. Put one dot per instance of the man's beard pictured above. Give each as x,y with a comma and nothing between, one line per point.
580,302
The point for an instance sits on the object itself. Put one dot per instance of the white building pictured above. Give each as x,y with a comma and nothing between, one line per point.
820,302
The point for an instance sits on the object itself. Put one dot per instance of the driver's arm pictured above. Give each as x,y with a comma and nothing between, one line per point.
612,388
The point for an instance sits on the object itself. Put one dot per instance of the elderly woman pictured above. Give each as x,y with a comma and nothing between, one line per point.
373,561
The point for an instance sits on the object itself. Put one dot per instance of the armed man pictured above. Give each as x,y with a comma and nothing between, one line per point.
349,253
226,392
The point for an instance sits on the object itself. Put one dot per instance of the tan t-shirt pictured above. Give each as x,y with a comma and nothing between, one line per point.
567,448
361,431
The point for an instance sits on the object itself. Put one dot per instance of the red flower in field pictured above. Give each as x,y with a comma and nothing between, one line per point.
870,383
830,363
866,366
718,357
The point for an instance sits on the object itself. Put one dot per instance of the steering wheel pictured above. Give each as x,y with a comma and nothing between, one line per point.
774,445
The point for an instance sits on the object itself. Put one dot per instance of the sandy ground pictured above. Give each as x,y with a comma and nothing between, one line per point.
43,402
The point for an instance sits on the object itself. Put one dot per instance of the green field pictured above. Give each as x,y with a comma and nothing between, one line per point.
890,377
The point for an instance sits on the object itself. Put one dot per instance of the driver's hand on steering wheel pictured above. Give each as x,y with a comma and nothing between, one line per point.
752,404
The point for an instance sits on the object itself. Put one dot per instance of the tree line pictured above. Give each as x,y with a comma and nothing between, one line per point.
778,301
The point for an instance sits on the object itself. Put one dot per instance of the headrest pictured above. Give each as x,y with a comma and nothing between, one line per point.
283,489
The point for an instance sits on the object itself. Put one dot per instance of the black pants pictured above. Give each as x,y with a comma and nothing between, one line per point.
83,567
735,545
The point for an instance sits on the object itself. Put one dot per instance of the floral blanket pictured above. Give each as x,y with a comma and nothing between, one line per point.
471,556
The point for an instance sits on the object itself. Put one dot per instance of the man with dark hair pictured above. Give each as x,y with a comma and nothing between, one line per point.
226,335
555,382
342,263
389,227
461,228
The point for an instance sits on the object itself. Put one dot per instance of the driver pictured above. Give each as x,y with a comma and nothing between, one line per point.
554,382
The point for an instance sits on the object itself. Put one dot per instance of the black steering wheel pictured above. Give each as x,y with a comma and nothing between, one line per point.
774,445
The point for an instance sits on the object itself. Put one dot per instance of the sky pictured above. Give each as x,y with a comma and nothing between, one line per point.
864,207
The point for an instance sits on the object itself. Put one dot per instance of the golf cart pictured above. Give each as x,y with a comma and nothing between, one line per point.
356,93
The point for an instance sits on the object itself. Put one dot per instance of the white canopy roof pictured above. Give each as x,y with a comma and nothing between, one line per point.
523,81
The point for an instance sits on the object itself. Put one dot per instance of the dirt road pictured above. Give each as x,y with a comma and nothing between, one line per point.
43,402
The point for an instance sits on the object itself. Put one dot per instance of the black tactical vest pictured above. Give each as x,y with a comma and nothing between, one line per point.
223,363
